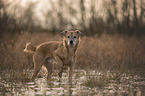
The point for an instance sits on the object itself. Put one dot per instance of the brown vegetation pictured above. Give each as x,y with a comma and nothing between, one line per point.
105,52
112,52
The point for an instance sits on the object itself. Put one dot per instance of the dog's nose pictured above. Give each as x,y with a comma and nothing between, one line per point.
71,42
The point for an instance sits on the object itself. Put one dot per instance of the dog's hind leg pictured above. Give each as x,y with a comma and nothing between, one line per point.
38,62
60,72
48,63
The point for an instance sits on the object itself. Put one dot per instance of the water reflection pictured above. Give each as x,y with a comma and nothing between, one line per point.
128,85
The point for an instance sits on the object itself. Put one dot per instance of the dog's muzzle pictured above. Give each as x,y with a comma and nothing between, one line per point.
71,42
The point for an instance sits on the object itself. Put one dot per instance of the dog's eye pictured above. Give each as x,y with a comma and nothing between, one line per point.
68,36
75,37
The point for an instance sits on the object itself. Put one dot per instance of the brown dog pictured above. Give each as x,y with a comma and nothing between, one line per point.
63,52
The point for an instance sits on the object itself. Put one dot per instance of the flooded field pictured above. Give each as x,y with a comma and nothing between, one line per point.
85,83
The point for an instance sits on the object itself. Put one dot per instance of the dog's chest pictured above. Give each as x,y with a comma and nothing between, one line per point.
66,57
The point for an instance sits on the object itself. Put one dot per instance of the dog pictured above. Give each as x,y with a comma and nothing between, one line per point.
62,52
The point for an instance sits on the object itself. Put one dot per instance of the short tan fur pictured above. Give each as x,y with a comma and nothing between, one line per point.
63,52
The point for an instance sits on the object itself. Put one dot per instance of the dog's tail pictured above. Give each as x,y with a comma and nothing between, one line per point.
30,48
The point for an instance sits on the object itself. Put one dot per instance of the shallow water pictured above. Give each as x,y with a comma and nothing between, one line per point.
127,85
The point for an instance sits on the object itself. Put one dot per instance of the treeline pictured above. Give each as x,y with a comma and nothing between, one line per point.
132,14
13,19
91,16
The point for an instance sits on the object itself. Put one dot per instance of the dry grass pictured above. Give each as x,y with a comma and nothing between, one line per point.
112,52
104,52
11,50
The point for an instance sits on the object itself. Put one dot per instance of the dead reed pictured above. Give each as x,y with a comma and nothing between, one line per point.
111,52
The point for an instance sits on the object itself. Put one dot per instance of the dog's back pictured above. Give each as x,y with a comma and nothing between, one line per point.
44,48
48,48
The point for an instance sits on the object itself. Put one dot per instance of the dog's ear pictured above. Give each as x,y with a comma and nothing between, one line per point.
64,32
79,33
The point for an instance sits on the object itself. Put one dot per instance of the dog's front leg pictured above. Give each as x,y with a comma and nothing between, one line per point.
70,69
70,73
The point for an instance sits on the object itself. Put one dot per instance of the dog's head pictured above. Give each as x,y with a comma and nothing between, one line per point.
71,38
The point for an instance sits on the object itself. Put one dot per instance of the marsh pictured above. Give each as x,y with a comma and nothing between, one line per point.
83,83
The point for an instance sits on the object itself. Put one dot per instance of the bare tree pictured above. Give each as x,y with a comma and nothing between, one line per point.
82,7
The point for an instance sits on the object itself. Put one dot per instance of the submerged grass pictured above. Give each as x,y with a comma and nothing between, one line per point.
16,77
101,80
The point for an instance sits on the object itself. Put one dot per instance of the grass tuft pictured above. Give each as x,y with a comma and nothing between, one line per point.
101,80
